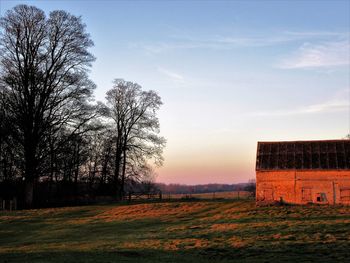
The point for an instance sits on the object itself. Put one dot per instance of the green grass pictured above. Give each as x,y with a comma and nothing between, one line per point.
177,231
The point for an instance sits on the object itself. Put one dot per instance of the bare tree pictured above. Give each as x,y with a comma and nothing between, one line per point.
136,129
43,80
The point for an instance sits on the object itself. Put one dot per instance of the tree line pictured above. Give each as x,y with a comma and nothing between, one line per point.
205,188
54,139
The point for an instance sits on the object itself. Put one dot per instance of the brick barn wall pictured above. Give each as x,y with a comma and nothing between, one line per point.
302,187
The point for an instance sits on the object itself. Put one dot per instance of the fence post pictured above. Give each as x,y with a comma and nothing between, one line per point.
3,204
160,195
238,195
129,197
15,203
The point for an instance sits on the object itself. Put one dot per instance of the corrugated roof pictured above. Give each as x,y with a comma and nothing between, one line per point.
303,155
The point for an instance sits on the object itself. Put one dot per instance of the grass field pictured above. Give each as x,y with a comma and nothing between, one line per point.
177,231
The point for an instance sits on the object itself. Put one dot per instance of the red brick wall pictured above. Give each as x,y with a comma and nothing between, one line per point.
302,187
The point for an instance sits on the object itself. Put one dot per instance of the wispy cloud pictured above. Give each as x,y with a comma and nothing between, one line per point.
265,40
317,34
214,43
339,103
174,76
224,42
328,54
160,47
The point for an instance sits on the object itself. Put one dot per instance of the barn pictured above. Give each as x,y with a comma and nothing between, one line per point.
302,172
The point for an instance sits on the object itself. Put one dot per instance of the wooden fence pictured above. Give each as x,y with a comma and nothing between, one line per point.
132,196
8,204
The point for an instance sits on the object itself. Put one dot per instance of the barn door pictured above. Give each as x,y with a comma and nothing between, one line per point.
306,194
345,194
268,195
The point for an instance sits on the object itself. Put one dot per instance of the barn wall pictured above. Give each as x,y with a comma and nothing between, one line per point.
302,187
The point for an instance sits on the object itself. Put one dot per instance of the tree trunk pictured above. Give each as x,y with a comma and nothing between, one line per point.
123,175
30,173
103,173
52,167
118,162
29,193
76,171
92,178
117,172
105,166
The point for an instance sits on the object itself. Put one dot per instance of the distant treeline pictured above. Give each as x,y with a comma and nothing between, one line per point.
203,188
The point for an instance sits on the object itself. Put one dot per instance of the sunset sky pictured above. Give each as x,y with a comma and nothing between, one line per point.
230,73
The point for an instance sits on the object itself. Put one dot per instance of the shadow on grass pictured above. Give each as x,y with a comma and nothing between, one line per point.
278,253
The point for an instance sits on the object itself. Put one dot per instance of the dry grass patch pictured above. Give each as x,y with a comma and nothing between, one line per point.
149,211
238,242
224,227
185,244
142,244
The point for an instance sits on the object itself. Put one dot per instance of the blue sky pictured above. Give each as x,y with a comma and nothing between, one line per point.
230,73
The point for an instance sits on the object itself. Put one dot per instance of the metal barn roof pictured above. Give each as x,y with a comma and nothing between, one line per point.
303,155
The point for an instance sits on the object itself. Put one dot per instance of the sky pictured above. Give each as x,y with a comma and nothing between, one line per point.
230,74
